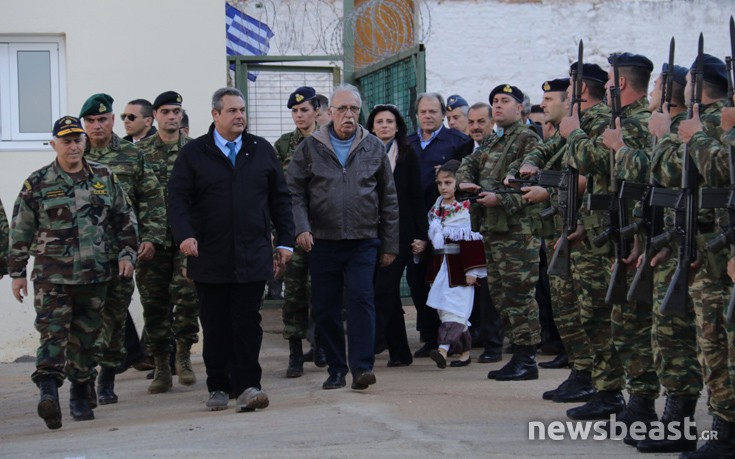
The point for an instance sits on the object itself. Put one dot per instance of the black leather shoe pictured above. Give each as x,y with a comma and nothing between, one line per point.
602,405
424,351
106,387
579,388
437,357
461,363
320,357
362,380
680,409
560,361
78,403
521,367
549,394
491,355
335,381
398,363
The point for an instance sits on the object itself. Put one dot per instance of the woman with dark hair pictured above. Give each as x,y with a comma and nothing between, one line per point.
386,122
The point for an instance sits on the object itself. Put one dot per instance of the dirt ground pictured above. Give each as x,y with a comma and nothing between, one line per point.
412,412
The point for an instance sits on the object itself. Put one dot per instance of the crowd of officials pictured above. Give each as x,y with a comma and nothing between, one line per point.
342,210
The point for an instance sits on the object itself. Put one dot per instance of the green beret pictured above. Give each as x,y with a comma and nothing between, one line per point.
98,104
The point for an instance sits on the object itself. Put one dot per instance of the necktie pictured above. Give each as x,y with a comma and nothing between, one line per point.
233,153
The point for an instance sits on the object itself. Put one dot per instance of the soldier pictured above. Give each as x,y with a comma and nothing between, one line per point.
70,215
146,197
322,115
138,120
457,109
673,337
170,305
578,386
4,234
511,250
304,108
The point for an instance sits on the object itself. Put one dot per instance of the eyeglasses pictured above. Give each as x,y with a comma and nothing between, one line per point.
131,117
342,109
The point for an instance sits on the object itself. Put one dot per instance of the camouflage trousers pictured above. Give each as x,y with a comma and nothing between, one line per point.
674,340
512,274
297,296
590,274
110,345
170,302
565,306
69,319
631,331
716,339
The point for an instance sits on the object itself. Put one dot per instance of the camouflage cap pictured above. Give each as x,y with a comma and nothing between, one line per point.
167,98
557,85
715,71
509,90
97,104
456,101
301,95
67,125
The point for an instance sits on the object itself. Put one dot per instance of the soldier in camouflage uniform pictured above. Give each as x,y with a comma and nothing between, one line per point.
511,249
673,337
578,386
70,215
296,305
4,234
170,304
146,197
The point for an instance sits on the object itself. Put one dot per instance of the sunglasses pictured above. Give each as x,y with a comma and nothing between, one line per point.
131,117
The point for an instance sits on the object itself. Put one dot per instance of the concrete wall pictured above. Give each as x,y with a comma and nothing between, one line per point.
129,50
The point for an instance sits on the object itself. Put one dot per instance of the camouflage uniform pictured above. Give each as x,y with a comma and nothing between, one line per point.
295,311
146,197
564,297
674,338
511,249
70,224
160,280
4,234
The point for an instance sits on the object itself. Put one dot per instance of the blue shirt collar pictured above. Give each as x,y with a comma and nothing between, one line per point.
425,143
221,143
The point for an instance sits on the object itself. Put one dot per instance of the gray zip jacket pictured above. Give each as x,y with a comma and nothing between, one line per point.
357,201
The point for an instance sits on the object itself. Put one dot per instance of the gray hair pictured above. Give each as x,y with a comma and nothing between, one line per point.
432,95
480,106
526,105
464,109
222,92
346,87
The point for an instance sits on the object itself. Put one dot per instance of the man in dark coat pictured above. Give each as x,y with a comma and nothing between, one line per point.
225,189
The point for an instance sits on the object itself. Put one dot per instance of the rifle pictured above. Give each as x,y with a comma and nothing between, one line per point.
617,215
533,181
473,198
567,182
685,204
652,218
724,198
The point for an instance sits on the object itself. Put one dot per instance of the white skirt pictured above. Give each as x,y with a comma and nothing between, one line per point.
453,301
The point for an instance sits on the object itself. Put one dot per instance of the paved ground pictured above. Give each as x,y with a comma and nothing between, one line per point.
418,411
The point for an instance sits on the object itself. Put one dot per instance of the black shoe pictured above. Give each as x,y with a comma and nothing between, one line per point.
722,446
602,405
437,357
552,348
398,363
320,358
549,394
579,388
106,386
560,361
461,363
335,381
679,409
362,380
491,355
78,404
48,404
295,358
521,367
424,350
91,394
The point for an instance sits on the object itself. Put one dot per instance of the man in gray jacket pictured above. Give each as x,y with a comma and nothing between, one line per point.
346,213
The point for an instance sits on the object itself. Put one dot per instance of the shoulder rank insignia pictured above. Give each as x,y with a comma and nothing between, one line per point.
508,89
27,185
98,185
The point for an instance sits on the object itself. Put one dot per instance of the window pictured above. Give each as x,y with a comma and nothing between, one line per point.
31,95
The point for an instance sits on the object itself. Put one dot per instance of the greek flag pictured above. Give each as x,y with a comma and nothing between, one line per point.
246,36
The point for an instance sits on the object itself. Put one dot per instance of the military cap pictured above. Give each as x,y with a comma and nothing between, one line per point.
167,98
633,60
715,71
67,125
557,85
509,90
592,72
301,94
456,101
97,104
679,73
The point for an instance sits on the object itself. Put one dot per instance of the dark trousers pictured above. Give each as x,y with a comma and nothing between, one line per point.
487,325
348,264
230,316
390,326
427,319
549,332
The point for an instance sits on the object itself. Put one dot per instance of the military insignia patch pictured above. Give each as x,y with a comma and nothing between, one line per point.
547,86
55,194
299,97
451,100
27,185
178,98
508,89
102,108
98,185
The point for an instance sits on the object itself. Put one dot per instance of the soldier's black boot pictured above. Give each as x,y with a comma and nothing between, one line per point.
721,447
641,410
579,388
48,404
521,367
78,403
106,386
602,405
91,394
295,358
677,409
